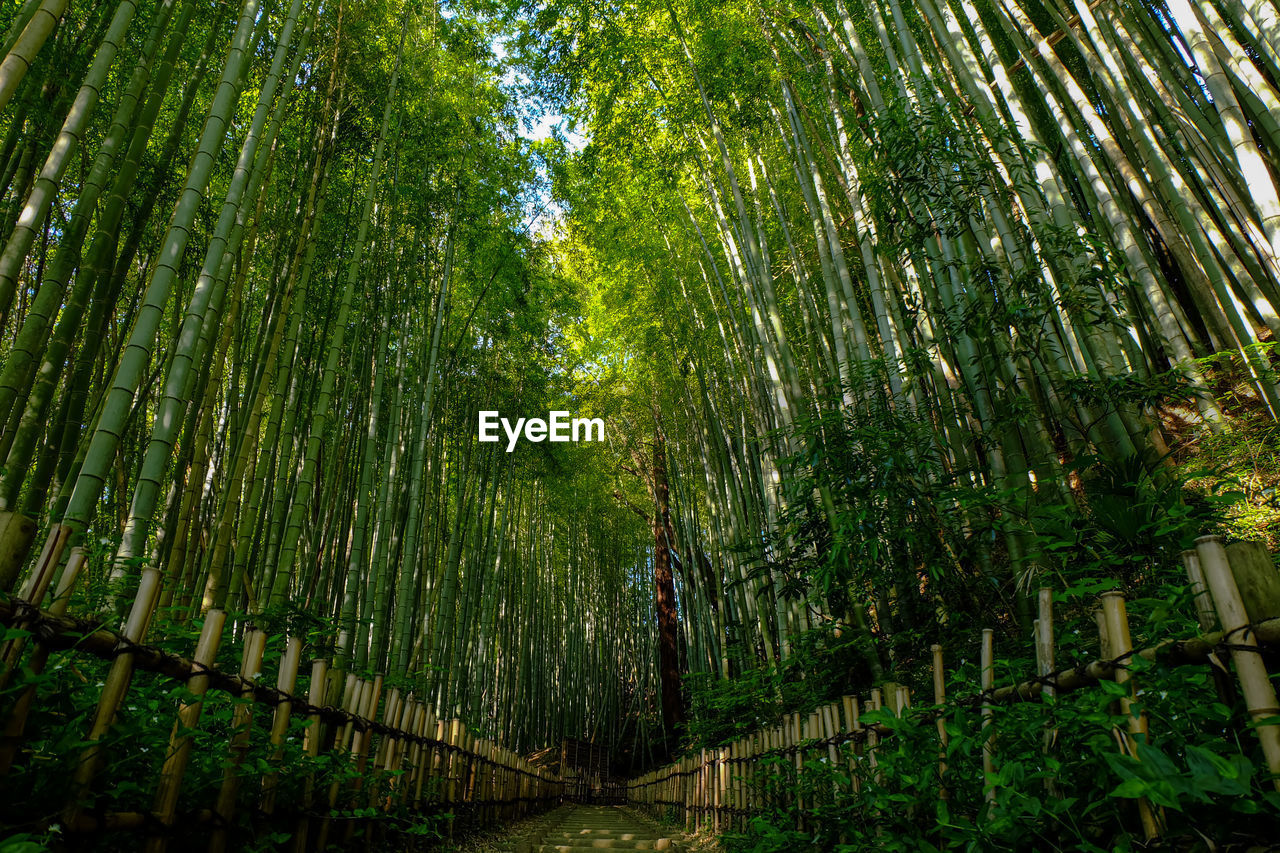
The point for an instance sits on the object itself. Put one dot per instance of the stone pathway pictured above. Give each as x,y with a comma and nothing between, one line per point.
582,829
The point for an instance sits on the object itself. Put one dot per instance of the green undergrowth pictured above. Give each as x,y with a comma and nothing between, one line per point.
1199,771
36,790
973,558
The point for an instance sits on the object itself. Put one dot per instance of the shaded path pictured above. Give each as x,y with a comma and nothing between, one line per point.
578,829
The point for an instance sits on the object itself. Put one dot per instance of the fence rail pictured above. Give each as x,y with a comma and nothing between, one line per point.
717,788
429,766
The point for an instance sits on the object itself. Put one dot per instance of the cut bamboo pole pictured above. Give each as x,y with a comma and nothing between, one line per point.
1117,620
286,680
940,700
1259,694
33,592
453,770
853,727
17,533
987,667
311,742
360,743
873,738
1205,614
175,763
1045,670
1256,579
113,691
255,642
353,695
795,734
16,721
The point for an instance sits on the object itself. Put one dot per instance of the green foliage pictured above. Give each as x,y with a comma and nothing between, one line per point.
817,671
34,793
1077,795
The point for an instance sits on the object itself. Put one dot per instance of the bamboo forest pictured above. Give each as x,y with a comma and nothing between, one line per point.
738,426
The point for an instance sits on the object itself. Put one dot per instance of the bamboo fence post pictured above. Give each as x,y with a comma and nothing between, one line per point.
1117,620
511,791
497,783
873,739
1255,685
241,721
46,564
470,770
733,793
854,728
690,797
311,741
397,744
286,681
717,788
987,666
421,757
398,755
409,761
453,768
1256,579
1045,666
742,778
830,732
1205,614
112,692
940,700
353,693
32,592
361,742
813,732
380,756
526,789
390,718
16,721
363,738
481,780
499,792
706,780
17,533
795,736
430,756
175,762
438,762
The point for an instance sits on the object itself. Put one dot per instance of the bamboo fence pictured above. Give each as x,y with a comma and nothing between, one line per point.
397,757
1237,594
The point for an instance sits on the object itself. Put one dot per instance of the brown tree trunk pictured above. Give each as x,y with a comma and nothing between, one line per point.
668,624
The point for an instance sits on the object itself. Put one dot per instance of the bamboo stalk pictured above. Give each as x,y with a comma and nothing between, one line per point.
1255,684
